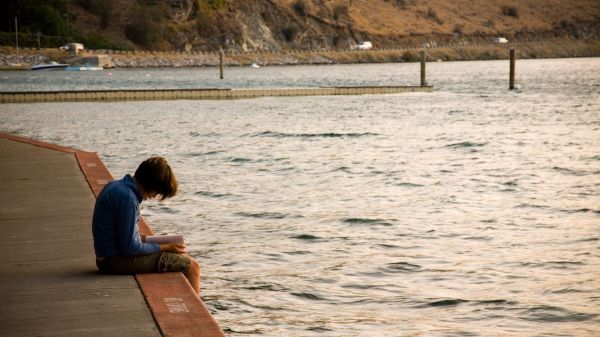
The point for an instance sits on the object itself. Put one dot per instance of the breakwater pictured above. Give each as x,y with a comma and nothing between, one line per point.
207,93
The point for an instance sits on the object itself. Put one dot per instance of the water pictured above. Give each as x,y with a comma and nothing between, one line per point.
469,211
237,77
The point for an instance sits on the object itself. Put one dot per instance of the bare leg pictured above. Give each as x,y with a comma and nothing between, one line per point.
193,275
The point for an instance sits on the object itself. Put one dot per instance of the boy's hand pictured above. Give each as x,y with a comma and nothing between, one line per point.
172,248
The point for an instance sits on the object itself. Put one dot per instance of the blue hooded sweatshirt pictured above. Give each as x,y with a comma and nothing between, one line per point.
115,221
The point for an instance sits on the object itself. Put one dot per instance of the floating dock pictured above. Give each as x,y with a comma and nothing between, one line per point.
192,94
49,282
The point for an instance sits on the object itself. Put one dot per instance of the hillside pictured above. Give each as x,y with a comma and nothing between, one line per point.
205,25
336,24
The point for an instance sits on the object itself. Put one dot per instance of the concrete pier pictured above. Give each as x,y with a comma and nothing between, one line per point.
207,93
48,278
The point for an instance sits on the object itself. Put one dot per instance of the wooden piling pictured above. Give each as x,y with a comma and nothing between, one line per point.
423,60
17,37
221,63
511,82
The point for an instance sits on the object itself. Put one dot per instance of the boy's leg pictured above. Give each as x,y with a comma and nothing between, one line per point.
193,275
182,263
158,262
123,264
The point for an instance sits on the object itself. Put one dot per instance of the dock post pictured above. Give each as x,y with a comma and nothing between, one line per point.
511,83
423,60
17,37
221,63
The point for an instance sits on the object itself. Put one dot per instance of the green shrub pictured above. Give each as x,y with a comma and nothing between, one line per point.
94,41
402,3
206,15
47,17
205,21
144,30
510,11
337,41
458,30
101,8
489,23
300,7
410,56
29,40
289,33
432,15
212,4
340,11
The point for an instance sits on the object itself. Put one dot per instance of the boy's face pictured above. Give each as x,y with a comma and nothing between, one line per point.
150,195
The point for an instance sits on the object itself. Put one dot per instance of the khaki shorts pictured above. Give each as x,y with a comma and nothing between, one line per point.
157,262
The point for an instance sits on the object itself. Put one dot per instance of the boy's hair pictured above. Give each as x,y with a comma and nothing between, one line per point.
155,175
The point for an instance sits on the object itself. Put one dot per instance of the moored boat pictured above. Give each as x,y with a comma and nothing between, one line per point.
83,68
50,66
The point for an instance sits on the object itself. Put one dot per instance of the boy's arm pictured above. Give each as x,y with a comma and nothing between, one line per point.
130,239
168,243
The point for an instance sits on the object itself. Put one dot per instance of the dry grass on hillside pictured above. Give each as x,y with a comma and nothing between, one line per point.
403,17
384,21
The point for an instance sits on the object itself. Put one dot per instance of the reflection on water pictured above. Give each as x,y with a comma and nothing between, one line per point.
470,211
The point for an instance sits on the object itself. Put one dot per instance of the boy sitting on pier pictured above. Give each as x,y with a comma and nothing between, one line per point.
120,249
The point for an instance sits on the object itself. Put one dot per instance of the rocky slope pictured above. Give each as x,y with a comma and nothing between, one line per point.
241,25
556,48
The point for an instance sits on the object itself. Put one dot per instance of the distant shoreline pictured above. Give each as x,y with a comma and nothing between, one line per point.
558,48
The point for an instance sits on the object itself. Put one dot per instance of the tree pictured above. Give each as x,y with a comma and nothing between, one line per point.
48,17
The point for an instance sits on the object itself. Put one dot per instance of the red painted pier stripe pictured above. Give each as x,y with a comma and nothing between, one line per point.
175,306
93,169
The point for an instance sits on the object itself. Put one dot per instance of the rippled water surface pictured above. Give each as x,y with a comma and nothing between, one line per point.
469,211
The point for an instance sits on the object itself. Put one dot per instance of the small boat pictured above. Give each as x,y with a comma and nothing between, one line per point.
50,66
83,68
254,65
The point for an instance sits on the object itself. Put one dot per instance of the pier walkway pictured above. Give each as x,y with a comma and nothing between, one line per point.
49,283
